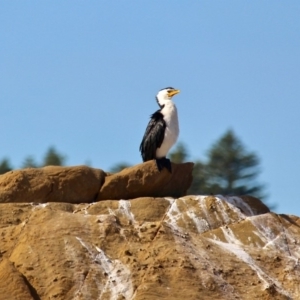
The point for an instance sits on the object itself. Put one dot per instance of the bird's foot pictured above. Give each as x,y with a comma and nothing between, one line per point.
163,163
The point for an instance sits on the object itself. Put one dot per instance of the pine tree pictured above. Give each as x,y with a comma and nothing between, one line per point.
179,154
231,169
199,183
5,166
119,167
53,158
29,162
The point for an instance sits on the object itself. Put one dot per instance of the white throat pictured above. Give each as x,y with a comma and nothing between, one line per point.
169,112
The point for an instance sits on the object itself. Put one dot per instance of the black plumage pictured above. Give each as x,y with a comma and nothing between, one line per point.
156,143
153,136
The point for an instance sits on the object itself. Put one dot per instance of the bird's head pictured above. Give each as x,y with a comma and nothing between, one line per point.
166,95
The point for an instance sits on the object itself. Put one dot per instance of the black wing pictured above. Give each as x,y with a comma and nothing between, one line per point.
153,136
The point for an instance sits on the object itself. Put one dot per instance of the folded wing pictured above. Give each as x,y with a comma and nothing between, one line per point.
153,136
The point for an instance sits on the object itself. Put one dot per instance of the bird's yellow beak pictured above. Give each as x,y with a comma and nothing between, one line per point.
173,93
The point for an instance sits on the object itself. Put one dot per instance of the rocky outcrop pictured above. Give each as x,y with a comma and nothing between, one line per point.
160,245
193,247
79,184
145,180
82,184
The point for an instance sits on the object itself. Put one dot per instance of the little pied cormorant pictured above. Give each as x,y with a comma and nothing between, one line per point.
162,130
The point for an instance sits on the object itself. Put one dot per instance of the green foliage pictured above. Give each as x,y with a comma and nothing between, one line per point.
199,183
119,167
180,154
53,158
5,166
232,169
229,170
29,162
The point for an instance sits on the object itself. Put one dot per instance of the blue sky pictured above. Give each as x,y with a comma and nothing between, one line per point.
82,76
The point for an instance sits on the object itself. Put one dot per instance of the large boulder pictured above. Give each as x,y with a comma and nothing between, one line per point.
144,180
82,184
78,184
193,247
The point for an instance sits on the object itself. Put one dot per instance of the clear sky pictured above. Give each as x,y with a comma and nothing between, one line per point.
82,76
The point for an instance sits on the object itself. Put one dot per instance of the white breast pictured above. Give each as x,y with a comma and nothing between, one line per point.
172,129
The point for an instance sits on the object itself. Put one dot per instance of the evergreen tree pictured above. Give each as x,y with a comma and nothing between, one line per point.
53,158
119,167
199,183
180,154
5,166
29,162
231,169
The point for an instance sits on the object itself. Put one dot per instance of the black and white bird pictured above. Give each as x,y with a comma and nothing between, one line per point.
162,130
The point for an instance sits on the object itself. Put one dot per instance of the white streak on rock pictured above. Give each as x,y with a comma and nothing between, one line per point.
201,224
235,248
118,277
118,282
78,276
39,205
239,203
230,237
124,207
201,200
222,208
173,214
273,234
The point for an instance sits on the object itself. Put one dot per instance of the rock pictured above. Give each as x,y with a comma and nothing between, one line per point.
12,284
249,205
79,184
82,184
193,247
256,206
144,180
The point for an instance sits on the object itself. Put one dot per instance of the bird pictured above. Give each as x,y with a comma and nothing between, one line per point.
162,130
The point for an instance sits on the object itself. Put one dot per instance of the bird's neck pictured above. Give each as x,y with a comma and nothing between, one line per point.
166,103
169,108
